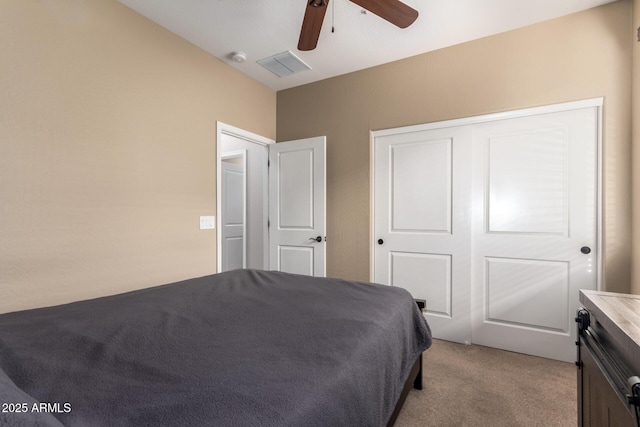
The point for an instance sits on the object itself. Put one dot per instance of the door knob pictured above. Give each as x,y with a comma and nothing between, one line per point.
585,250
380,241
317,239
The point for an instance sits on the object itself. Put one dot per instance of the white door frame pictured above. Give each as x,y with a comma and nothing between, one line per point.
223,128
595,102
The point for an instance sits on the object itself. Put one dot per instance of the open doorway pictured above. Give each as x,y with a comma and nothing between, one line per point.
242,199
292,192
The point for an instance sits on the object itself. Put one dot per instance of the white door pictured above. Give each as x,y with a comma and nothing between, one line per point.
297,203
422,222
494,221
534,238
233,213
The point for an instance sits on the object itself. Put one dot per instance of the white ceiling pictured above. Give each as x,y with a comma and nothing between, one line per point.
262,28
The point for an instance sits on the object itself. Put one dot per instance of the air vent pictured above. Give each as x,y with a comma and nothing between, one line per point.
284,64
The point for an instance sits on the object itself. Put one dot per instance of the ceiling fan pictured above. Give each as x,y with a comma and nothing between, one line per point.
393,11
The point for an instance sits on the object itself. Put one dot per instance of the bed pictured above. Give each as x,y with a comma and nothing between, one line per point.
242,348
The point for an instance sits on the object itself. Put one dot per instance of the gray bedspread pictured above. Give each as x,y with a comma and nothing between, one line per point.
244,348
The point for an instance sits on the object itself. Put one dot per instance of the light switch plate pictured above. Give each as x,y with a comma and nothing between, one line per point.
207,222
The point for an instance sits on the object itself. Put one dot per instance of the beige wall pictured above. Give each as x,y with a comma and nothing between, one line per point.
107,150
107,137
635,81
585,55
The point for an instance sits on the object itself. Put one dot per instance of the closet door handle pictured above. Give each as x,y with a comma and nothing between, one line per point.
317,239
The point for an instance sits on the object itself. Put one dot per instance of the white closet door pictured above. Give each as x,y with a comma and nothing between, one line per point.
534,229
494,221
422,222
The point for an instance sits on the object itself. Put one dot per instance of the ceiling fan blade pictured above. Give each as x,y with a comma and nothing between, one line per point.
312,24
394,11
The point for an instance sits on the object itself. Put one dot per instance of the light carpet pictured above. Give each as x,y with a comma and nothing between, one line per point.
471,385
